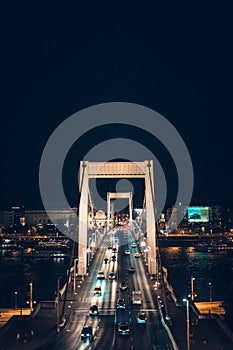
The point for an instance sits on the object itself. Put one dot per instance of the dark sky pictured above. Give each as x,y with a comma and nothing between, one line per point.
57,60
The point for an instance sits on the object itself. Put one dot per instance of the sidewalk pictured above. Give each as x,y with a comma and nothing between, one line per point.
33,331
27,333
6,314
205,333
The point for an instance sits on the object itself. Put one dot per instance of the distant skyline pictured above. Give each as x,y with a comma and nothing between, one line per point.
58,60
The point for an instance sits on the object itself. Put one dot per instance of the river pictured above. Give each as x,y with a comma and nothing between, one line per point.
181,262
214,268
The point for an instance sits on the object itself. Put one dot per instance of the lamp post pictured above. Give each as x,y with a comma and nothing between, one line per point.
192,288
210,286
88,257
16,303
58,305
30,299
75,267
30,302
187,323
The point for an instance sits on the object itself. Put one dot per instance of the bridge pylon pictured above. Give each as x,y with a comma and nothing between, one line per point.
90,170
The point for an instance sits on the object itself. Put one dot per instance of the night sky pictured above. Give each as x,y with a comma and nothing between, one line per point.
57,60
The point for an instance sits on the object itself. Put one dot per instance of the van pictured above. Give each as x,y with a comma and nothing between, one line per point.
136,297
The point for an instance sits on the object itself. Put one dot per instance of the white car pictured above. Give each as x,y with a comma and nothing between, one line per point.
127,252
100,275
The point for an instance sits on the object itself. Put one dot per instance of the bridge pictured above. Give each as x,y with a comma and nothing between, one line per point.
129,255
154,334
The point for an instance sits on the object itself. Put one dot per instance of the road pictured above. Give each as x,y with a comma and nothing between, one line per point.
150,336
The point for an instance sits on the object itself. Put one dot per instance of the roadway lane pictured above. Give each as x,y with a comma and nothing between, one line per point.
104,336
152,336
103,325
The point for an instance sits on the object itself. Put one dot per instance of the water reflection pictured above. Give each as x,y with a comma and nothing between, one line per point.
184,262
16,274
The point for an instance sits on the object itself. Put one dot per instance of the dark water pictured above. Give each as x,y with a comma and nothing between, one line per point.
184,262
17,273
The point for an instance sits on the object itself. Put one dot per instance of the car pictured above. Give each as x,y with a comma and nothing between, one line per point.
105,260
112,276
114,249
100,275
97,291
136,297
131,269
120,304
123,286
109,247
93,311
123,328
137,255
127,252
134,245
113,258
141,317
86,332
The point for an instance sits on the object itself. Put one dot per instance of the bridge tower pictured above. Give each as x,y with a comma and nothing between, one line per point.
90,170
115,195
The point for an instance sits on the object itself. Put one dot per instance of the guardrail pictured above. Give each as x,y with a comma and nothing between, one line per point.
175,347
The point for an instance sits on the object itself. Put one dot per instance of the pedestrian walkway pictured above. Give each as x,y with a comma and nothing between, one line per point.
210,307
33,331
6,314
27,333
205,333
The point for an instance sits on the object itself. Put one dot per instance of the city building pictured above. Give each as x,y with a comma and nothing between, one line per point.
199,219
60,218
229,219
100,218
6,218
15,216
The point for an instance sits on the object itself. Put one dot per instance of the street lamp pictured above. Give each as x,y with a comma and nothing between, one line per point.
16,297
193,295
30,293
145,251
187,323
30,302
58,305
75,267
210,285
88,256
